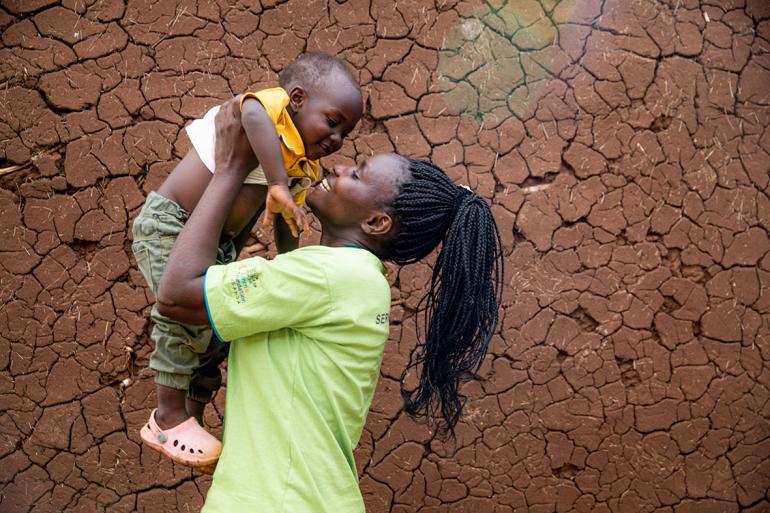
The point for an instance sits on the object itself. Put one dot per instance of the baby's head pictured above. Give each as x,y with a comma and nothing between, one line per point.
325,101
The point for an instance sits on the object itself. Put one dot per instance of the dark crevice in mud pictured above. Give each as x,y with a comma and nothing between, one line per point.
397,281
15,179
694,273
566,471
669,305
84,247
369,125
408,311
673,261
568,223
585,321
561,356
628,373
538,180
661,123
518,237
655,334
119,376
566,168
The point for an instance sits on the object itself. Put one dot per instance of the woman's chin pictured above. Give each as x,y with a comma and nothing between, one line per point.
312,195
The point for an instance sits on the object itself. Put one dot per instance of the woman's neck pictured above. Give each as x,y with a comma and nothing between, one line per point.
344,240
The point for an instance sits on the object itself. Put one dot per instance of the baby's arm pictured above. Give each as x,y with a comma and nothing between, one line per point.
284,240
260,131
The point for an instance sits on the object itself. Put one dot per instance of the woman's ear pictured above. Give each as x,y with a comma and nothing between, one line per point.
297,98
378,224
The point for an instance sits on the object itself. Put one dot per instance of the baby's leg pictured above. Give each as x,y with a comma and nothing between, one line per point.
178,349
177,345
207,377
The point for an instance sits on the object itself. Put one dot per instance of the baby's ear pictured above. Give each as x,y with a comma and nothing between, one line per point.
297,97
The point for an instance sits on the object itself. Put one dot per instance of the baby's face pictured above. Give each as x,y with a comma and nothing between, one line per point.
326,116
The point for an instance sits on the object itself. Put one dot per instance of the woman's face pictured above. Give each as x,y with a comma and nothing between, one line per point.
349,195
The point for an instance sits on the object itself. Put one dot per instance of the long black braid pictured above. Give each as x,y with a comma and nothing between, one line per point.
460,311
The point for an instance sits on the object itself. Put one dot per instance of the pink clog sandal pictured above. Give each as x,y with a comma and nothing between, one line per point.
187,443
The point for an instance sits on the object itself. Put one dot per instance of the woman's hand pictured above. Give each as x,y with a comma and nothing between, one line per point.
232,152
180,293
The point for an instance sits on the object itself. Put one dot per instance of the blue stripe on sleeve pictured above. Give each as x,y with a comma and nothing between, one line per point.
208,311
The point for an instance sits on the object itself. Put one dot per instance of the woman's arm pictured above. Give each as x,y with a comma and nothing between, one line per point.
180,294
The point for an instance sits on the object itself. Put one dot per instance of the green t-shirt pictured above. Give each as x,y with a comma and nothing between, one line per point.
308,330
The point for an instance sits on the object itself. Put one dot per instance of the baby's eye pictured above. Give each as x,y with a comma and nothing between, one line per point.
332,122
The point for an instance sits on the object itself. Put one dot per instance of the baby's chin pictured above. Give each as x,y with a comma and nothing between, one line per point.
314,154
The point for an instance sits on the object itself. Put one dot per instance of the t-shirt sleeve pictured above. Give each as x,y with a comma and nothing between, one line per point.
258,295
273,100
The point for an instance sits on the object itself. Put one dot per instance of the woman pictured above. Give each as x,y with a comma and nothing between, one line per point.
308,328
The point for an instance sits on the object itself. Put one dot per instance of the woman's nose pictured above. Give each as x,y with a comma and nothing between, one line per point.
338,169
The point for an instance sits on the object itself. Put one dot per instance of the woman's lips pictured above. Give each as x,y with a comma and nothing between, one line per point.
322,183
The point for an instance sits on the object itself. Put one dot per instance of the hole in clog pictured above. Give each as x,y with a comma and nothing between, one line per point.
176,442
191,451
183,447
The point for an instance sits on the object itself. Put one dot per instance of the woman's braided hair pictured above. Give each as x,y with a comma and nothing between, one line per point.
460,310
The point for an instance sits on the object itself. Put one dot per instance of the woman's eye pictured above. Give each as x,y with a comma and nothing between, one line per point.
354,174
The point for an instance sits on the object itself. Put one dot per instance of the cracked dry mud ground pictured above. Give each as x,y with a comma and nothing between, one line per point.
624,145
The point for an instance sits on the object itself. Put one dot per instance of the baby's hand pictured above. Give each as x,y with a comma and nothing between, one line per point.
279,201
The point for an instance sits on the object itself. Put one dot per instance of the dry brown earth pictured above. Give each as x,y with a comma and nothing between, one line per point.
624,144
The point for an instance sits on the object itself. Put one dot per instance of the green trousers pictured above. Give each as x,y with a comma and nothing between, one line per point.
186,357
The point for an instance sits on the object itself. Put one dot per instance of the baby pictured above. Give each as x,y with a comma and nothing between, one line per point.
289,128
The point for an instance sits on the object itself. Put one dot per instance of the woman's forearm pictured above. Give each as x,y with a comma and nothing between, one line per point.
180,294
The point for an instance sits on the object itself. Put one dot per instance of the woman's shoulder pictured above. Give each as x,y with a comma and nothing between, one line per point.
340,264
340,254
